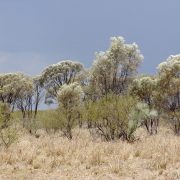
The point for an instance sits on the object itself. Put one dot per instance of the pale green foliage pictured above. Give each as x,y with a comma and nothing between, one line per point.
105,96
110,116
112,70
142,115
116,117
21,91
153,113
136,117
13,86
90,112
56,75
68,95
16,89
24,101
169,73
169,79
69,98
8,134
169,88
5,115
144,88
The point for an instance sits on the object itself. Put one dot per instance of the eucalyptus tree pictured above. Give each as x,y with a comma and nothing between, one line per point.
24,101
169,89
113,69
144,88
169,82
38,93
21,91
31,96
12,87
56,75
9,87
69,98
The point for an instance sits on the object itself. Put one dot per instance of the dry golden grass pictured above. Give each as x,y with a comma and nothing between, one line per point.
55,157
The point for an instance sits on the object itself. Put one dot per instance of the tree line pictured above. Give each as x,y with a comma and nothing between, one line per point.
111,99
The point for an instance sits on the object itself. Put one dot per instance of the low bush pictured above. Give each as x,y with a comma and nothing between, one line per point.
8,134
144,116
110,116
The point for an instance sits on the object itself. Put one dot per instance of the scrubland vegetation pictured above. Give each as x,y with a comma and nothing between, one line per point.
110,121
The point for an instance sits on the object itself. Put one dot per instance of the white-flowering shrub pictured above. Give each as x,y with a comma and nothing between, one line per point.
144,88
68,95
14,88
56,75
69,98
169,89
112,70
21,92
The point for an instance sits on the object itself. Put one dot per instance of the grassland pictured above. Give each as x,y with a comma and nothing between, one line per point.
52,156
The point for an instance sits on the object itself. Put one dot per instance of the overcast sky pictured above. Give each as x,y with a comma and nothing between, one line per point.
36,33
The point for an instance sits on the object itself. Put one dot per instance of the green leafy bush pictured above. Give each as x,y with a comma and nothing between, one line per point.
8,134
110,116
142,115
